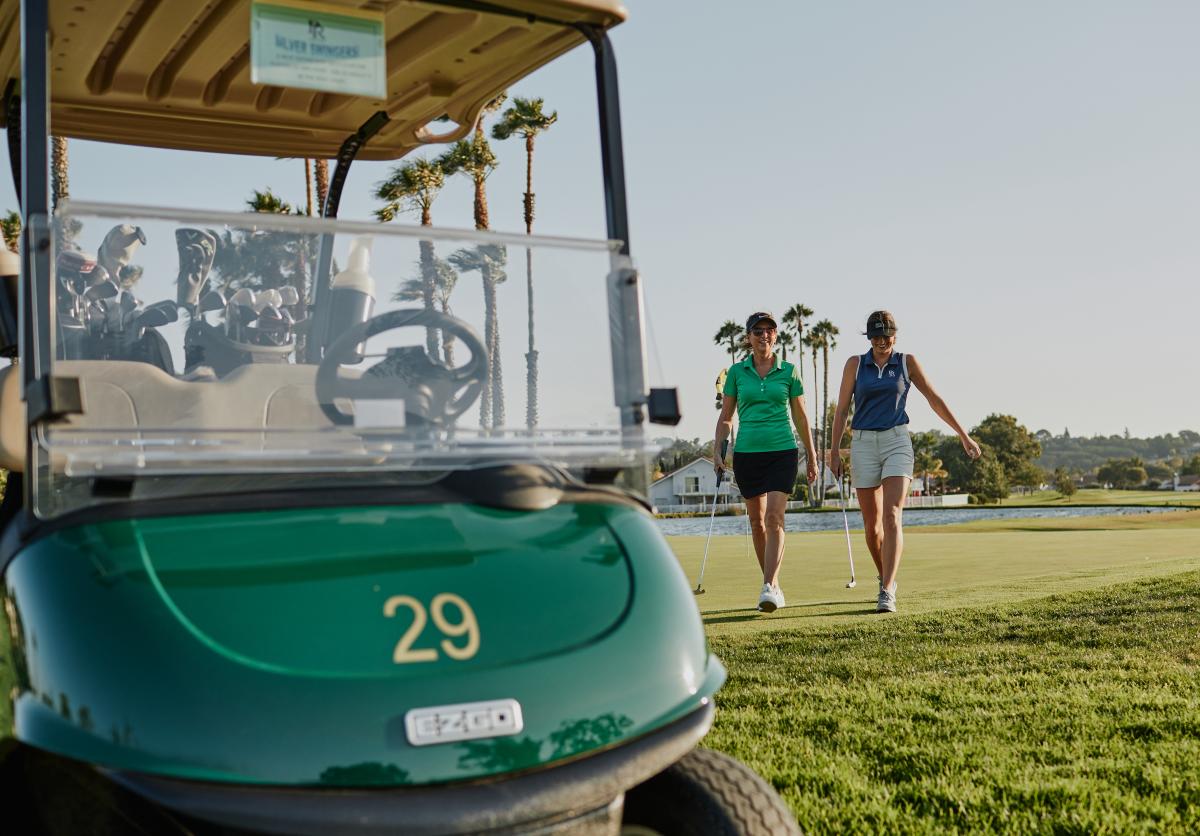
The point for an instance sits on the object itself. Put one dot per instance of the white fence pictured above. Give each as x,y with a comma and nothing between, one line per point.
950,500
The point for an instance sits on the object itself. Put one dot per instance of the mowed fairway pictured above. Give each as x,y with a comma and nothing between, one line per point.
1040,677
971,564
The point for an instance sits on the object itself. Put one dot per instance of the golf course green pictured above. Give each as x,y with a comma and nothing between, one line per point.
1040,677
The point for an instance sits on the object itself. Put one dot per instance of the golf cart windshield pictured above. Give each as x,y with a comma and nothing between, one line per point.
194,339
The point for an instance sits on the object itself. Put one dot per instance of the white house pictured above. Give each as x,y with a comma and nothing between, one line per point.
1186,483
693,484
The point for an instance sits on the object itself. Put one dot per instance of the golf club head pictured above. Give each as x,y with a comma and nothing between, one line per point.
214,300
698,591
289,295
853,583
105,289
269,297
157,315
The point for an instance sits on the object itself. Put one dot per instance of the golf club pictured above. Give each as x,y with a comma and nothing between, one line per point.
699,590
849,552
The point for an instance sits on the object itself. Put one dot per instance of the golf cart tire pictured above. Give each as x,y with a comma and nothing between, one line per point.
708,793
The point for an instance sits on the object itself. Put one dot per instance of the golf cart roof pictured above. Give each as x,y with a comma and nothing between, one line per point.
177,75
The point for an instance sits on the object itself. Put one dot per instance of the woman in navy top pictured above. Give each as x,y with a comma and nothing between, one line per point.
881,453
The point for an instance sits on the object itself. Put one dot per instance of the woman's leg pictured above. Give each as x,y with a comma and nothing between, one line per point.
895,490
772,559
869,502
756,507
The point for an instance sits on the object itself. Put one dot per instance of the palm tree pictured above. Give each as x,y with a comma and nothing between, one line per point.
828,334
784,341
414,186
489,260
796,316
475,159
730,333
527,118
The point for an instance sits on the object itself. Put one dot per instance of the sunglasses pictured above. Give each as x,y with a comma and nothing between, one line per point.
762,332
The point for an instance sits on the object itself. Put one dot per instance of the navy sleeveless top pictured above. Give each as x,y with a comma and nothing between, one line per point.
880,394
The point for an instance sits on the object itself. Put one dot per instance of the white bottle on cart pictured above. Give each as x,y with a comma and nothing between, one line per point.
352,294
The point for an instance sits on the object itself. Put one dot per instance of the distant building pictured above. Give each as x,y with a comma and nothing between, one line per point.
1186,483
693,484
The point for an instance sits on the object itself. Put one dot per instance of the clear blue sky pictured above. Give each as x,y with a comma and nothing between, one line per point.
1018,182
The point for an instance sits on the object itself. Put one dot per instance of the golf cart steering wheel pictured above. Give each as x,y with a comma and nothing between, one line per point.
432,392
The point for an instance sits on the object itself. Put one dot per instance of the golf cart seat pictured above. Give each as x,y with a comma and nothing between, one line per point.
120,394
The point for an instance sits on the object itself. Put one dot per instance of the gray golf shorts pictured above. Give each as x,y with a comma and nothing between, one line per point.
877,454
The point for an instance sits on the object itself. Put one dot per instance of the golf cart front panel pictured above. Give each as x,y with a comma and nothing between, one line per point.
315,633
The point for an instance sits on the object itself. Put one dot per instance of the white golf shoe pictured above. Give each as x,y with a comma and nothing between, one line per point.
769,600
886,601
779,601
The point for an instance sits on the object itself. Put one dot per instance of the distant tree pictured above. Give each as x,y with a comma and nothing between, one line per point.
10,228
985,480
1063,483
730,335
1014,446
1189,437
925,460
1158,471
1192,468
1122,474
793,322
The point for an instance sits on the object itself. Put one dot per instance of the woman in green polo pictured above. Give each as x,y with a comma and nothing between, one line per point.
765,390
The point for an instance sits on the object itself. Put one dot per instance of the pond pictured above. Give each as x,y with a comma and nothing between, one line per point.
912,517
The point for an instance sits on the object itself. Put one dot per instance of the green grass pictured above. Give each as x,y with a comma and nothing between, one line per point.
1041,677
1075,714
1096,496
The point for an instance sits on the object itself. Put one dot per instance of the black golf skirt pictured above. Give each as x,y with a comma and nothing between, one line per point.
757,473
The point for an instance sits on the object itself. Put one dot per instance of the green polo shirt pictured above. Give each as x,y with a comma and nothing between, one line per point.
765,423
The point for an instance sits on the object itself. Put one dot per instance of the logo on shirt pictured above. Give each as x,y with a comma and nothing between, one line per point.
891,372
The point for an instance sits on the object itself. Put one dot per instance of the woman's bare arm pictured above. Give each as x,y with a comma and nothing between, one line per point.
845,393
724,428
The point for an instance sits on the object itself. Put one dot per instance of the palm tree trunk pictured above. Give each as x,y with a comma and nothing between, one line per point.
428,279
829,444
489,307
481,210
60,186
321,174
308,190
531,356
498,419
816,428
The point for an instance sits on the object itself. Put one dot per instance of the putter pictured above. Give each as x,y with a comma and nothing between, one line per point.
849,552
699,590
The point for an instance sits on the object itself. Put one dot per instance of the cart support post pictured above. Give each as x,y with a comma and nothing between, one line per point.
611,153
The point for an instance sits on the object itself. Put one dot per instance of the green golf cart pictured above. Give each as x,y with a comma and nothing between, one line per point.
281,552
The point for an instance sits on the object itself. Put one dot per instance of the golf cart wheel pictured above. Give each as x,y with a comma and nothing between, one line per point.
706,793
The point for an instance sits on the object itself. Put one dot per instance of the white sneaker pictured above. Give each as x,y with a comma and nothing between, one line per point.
886,601
895,584
766,599
779,601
